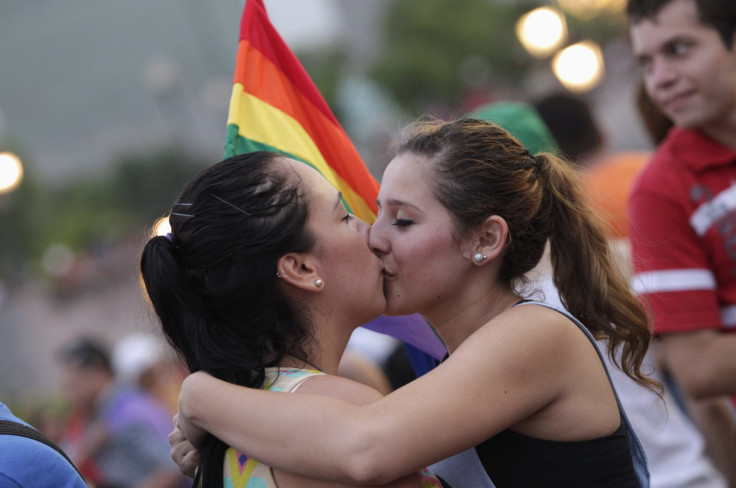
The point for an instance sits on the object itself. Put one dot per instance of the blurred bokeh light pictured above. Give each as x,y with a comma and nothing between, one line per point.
162,226
588,9
541,31
579,67
11,172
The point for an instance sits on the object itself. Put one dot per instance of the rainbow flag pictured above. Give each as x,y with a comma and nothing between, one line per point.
275,106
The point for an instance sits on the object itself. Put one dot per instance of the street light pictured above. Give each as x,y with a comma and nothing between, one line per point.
11,172
541,31
579,67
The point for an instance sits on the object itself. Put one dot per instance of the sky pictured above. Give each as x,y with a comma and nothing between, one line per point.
84,82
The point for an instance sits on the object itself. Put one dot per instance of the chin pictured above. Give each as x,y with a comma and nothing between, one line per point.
395,307
690,120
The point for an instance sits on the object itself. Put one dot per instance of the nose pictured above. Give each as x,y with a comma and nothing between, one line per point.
377,240
662,74
362,227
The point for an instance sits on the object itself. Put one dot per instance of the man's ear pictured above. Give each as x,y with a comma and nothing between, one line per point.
298,270
488,241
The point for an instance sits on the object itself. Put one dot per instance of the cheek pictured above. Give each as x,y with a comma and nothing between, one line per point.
421,254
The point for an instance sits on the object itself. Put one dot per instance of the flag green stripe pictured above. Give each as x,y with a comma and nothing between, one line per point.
237,144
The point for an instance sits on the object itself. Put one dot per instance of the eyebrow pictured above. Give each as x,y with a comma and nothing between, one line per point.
339,200
393,202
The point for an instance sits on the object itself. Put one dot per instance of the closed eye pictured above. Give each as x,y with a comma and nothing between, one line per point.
403,222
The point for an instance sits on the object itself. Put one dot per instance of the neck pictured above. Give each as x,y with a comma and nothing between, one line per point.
324,349
470,310
724,132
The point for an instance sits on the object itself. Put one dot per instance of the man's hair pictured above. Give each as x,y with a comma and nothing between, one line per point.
88,354
718,14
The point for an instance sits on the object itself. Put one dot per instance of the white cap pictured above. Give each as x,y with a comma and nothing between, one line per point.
134,354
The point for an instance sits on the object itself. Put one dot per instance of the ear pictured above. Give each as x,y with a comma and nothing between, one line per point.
489,240
299,270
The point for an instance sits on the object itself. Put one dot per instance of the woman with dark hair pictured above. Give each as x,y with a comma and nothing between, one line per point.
260,283
524,398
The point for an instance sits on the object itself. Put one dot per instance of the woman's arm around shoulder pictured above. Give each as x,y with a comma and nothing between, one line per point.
504,373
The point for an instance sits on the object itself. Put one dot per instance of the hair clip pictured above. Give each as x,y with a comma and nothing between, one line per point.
181,214
230,204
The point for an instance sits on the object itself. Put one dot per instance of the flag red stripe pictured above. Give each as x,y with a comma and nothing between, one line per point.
256,27
262,79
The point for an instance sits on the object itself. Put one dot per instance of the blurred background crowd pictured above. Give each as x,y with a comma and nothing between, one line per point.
106,109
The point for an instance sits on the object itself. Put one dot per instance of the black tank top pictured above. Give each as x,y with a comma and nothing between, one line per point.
513,459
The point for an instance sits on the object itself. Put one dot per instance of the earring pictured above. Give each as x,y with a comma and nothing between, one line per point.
318,283
479,257
279,275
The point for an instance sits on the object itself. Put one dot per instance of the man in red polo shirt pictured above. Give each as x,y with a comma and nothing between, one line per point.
683,205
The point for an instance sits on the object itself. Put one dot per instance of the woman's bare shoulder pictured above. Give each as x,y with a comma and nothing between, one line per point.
339,387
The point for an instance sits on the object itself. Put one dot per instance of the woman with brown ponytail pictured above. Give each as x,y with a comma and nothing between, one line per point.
523,397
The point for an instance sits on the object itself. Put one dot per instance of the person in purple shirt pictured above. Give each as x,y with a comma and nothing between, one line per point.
118,434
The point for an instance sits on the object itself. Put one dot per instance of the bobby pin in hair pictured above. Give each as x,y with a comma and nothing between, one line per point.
230,204
182,204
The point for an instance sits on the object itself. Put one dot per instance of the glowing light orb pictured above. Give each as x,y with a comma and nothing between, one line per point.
541,31
579,67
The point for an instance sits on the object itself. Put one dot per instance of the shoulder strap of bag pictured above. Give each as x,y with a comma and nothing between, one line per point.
8,427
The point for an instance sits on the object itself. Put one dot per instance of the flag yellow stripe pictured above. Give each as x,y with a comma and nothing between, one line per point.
261,122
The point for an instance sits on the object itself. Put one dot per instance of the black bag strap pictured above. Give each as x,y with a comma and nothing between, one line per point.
8,427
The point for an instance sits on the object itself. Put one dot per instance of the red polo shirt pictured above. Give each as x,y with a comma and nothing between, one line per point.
683,233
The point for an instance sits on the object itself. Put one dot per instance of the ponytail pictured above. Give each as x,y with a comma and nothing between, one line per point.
212,281
478,169
592,287
173,301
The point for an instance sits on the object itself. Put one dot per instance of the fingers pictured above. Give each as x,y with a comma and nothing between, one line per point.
176,436
189,463
183,453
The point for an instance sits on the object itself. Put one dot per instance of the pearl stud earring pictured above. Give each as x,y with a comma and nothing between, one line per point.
479,257
318,283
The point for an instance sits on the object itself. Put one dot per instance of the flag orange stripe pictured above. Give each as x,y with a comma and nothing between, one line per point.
256,27
262,79
260,122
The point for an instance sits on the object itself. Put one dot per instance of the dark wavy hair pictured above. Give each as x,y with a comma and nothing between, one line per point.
213,281
718,14
478,169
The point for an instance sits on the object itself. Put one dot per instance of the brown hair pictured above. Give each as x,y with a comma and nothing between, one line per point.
478,169
720,15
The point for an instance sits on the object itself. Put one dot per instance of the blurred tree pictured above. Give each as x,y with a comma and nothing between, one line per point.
436,50
18,221
97,209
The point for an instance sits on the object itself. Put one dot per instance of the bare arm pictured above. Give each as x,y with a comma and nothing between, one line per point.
703,362
521,364
715,419
186,457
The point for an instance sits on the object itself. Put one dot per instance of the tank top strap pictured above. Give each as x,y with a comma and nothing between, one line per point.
637,451
287,379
